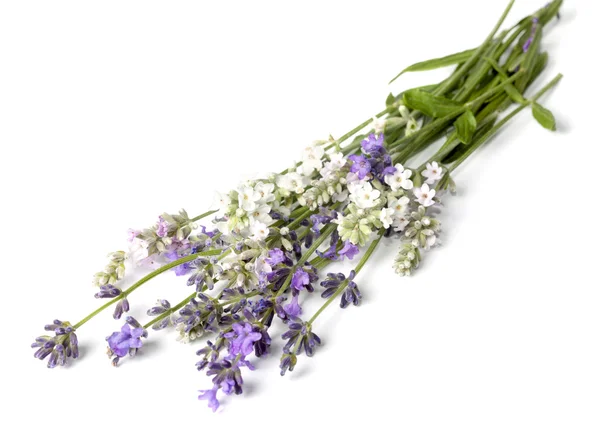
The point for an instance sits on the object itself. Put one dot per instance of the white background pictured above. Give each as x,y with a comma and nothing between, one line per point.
113,112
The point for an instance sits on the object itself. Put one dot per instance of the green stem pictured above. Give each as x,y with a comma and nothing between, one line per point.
502,122
148,277
448,84
171,310
363,125
203,215
343,285
325,232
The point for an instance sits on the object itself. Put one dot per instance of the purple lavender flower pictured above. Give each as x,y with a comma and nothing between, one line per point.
529,41
278,277
299,337
211,396
372,145
175,254
108,291
381,165
242,339
331,252
127,338
276,256
203,272
211,352
59,347
293,308
321,219
331,284
288,362
349,250
121,307
162,306
199,314
300,279
207,233
350,294
360,165
162,227
227,377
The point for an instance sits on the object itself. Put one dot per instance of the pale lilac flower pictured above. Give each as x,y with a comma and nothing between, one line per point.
400,179
121,342
425,195
349,250
262,267
138,251
372,145
360,165
211,396
162,227
293,308
433,173
300,279
242,338
132,234
276,256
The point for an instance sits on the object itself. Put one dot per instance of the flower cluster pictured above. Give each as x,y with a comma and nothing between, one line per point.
238,341
246,211
114,270
60,346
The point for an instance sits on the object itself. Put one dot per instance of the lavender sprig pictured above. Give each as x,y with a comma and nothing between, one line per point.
59,347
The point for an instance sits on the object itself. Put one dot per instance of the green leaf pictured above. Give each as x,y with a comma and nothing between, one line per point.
432,64
427,103
510,89
390,100
465,127
543,116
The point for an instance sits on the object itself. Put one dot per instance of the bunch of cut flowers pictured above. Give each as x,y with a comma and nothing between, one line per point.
268,244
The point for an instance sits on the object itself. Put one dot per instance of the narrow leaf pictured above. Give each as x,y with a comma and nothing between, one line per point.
432,64
427,103
510,89
465,127
544,116
390,100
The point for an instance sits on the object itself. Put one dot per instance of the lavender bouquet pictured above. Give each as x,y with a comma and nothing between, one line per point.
270,241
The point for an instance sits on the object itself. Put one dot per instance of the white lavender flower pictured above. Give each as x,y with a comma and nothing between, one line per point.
433,172
113,271
407,259
424,195
400,179
364,195
423,230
